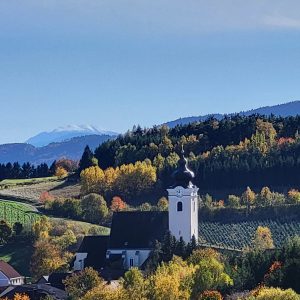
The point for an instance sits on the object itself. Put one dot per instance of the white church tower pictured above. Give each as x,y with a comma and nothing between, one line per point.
183,203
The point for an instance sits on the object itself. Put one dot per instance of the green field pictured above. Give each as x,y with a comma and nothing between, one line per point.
19,250
238,235
12,212
18,205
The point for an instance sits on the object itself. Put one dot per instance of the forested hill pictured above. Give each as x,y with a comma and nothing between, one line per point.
71,149
283,110
234,152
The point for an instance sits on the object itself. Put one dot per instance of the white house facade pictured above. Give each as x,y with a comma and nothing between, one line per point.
130,257
79,261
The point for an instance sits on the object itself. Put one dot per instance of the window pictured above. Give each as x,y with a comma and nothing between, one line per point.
131,262
179,206
194,205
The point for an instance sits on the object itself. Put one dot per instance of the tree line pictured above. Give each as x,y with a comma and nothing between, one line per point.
231,153
199,137
28,170
24,171
267,155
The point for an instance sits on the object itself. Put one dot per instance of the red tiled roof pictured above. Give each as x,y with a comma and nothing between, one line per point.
8,270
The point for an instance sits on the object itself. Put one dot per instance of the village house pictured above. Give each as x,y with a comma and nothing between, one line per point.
9,276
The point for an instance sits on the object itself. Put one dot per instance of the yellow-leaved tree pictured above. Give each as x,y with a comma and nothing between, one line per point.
135,178
266,293
173,280
248,197
92,180
47,258
41,228
263,238
60,172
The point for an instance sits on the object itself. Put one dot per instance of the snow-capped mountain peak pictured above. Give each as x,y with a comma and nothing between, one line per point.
66,132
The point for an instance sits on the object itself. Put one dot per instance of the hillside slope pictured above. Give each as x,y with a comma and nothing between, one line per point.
284,110
72,149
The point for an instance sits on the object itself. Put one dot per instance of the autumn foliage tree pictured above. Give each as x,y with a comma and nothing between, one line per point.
78,284
126,180
94,208
67,164
47,257
46,196
210,275
135,178
294,196
265,293
92,180
163,204
263,238
210,295
60,172
248,197
50,253
177,276
117,204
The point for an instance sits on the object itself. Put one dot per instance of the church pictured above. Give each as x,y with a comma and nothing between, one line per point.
133,233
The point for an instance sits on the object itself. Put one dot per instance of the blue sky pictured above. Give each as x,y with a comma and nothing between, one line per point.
117,63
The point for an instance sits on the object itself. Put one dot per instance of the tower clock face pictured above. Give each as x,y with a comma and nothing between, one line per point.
179,193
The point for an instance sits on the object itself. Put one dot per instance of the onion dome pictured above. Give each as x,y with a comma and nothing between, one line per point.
182,176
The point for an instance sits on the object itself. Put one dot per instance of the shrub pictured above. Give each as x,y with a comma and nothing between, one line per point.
163,204
46,196
94,208
294,196
118,204
210,295
265,293
60,172
234,201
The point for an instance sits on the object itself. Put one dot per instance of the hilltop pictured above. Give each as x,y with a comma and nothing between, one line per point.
65,133
71,149
283,110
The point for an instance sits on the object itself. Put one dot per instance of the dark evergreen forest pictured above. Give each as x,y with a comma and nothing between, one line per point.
235,152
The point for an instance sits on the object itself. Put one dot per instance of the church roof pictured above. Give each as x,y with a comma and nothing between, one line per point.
137,229
95,247
182,176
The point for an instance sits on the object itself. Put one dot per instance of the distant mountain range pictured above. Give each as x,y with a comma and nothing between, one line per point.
70,141
65,133
284,110
72,148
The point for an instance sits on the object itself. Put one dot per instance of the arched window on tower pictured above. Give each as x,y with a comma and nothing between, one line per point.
179,206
